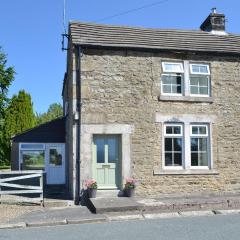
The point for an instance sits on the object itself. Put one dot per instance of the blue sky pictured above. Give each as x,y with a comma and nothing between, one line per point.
31,33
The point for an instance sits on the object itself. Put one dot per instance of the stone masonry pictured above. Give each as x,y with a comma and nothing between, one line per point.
123,87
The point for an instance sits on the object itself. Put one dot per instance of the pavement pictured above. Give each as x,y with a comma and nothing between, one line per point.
125,209
54,216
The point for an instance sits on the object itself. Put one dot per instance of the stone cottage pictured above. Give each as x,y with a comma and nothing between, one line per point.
159,105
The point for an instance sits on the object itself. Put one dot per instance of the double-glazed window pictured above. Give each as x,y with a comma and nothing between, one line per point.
186,149
199,79
173,142
172,78
199,145
33,156
185,79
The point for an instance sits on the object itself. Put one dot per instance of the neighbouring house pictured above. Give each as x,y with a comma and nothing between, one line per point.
42,148
159,105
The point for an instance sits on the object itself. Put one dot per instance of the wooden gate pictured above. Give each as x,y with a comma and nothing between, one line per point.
8,186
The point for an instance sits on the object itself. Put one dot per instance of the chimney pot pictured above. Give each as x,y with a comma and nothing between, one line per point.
214,23
214,10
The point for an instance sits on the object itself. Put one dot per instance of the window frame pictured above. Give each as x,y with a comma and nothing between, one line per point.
29,148
207,136
173,63
208,74
180,135
186,134
199,95
61,152
185,70
173,125
182,84
25,151
173,73
199,125
199,73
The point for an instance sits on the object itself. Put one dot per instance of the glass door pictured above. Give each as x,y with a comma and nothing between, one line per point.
55,166
106,161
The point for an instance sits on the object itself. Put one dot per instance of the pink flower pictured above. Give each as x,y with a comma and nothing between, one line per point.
91,183
131,183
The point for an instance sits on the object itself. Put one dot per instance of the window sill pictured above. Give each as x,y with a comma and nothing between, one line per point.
185,99
157,171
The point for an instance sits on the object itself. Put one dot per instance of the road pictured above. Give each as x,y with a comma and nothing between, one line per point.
185,228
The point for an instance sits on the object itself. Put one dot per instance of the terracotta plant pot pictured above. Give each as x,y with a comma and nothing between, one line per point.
92,192
129,192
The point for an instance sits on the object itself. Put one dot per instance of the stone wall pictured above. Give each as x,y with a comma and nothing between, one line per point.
123,87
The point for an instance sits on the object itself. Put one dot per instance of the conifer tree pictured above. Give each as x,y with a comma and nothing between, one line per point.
19,116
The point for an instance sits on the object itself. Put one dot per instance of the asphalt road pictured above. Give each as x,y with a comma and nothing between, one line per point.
195,228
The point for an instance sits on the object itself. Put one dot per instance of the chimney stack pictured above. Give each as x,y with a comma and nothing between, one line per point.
214,23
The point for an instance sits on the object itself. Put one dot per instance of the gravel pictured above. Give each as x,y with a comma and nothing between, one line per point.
8,212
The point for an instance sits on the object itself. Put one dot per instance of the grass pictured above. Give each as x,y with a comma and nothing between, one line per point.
4,167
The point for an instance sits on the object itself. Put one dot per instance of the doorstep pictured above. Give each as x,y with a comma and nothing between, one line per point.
115,204
111,193
200,203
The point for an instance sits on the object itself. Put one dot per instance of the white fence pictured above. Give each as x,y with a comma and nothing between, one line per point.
8,186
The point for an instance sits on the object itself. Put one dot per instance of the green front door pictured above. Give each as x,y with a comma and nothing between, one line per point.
106,161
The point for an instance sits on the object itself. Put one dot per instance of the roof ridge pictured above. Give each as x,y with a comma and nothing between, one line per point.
103,35
142,28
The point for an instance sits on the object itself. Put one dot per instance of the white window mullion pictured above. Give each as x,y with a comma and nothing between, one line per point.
186,84
210,150
187,146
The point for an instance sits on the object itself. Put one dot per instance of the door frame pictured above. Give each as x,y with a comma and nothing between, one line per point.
119,167
87,132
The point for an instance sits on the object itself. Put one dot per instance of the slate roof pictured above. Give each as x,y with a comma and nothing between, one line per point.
89,34
49,132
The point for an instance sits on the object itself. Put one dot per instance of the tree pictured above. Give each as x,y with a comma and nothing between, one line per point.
55,110
6,78
19,116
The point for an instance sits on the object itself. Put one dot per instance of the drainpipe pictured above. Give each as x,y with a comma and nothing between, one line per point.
78,122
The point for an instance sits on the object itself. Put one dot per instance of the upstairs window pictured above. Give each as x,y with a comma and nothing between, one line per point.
199,79
172,67
172,78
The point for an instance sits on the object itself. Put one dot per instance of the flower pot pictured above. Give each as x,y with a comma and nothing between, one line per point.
129,192
92,192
